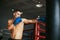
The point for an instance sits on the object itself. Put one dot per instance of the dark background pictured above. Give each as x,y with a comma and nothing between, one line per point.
28,8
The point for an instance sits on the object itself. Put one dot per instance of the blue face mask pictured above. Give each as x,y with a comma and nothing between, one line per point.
17,20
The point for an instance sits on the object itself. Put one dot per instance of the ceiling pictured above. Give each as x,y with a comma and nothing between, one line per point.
27,6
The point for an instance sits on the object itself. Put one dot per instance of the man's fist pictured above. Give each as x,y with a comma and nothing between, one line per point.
43,19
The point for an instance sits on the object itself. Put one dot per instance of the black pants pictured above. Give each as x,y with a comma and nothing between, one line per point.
13,39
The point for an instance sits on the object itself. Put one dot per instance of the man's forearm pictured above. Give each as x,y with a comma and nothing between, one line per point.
33,21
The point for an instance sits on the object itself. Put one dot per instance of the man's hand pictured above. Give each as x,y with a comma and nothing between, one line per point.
43,19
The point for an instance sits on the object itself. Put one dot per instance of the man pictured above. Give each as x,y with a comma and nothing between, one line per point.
16,25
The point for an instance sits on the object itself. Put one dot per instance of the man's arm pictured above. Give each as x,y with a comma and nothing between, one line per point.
10,25
27,21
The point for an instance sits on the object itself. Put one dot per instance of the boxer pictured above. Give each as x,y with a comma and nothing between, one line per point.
16,25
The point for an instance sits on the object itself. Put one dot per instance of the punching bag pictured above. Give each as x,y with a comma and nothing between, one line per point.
52,20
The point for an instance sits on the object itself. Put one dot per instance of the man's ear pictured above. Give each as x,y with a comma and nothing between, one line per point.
21,12
13,13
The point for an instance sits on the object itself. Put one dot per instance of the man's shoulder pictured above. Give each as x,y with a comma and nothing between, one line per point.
10,20
23,18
